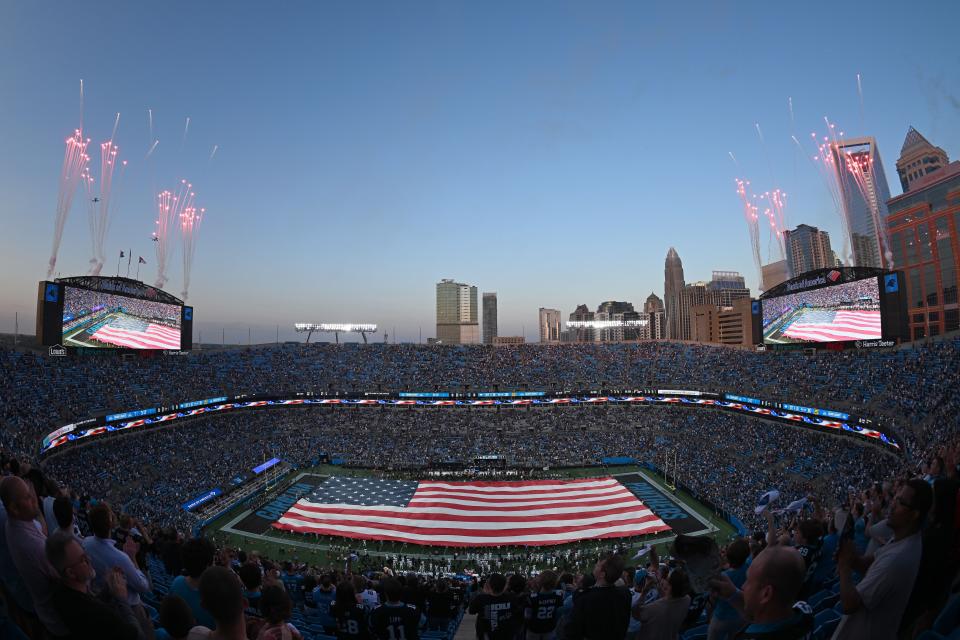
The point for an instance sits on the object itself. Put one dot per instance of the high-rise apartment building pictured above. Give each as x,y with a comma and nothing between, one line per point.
672,285
727,286
864,193
549,325
457,321
773,274
924,226
918,158
692,295
653,308
808,249
581,334
489,317
722,291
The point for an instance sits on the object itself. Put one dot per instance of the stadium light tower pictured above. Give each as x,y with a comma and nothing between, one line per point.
335,329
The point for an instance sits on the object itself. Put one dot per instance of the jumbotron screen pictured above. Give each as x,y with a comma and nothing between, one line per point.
110,321
837,313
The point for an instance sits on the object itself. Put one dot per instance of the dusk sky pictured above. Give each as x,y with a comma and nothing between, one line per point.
551,152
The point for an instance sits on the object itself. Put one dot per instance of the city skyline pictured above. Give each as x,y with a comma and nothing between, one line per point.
336,167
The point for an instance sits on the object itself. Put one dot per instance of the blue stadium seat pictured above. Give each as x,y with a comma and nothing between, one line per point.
697,633
825,623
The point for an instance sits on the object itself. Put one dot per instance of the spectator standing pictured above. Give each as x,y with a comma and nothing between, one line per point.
498,612
197,555
602,611
543,608
769,596
221,595
873,608
84,615
726,621
25,541
276,607
394,619
105,556
352,618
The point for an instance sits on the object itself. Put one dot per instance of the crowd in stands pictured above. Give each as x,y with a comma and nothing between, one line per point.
908,389
726,459
89,540
882,564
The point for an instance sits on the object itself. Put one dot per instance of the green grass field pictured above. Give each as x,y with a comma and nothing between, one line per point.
293,546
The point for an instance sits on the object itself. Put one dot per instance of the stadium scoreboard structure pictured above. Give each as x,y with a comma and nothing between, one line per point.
844,307
103,313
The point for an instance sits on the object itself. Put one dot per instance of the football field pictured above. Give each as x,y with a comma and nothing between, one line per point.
252,528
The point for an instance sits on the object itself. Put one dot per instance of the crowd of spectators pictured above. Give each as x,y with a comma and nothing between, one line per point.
908,389
91,539
727,459
880,564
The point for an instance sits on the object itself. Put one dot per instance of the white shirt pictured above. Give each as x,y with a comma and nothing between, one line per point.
885,591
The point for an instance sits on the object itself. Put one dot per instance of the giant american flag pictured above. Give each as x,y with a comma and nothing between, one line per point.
134,333
471,514
822,325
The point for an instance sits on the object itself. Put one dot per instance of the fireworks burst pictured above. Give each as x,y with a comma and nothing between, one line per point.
170,207
190,221
99,204
74,167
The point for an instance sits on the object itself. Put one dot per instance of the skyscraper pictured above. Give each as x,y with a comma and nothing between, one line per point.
691,295
773,274
918,158
925,238
672,285
864,192
653,308
549,325
725,287
457,313
581,334
808,249
489,317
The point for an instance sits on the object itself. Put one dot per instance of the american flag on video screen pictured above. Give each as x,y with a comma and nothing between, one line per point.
138,334
828,326
458,514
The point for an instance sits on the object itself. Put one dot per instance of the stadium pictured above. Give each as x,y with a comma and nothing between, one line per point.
262,451
451,378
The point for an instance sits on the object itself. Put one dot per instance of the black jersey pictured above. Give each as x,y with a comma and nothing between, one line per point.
544,609
498,617
395,622
353,623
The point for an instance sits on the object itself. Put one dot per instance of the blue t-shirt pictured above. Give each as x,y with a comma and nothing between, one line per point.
827,567
724,610
192,597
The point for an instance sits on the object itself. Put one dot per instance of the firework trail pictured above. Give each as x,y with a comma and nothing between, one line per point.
152,147
100,204
737,164
150,121
214,152
186,128
74,166
190,221
170,206
752,220
116,123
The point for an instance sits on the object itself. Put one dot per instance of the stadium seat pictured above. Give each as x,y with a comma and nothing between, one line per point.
824,624
948,620
697,633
